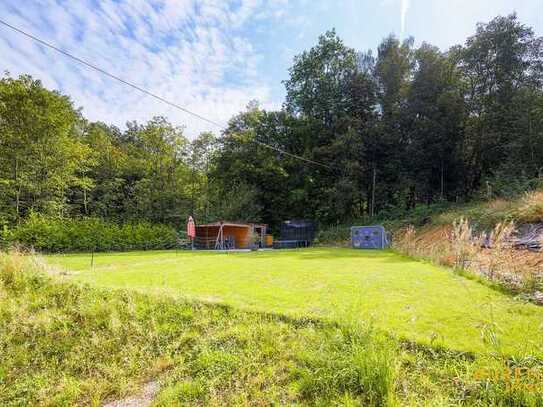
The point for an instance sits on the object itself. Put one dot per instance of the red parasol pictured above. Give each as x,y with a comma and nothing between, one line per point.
191,228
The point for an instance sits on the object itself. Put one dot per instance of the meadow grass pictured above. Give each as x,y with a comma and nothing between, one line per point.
409,299
65,343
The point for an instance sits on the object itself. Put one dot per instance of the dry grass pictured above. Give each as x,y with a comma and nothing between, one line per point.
430,242
478,238
527,208
490,255
530,209
462,242
499,204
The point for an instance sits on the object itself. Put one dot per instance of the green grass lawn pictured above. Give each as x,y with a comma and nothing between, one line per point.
406,298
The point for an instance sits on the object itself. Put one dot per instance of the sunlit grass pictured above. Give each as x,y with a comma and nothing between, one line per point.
66,343
406,298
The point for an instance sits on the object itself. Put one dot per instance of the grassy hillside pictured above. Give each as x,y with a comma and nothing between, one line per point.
478,239
526,208
65,344
484,215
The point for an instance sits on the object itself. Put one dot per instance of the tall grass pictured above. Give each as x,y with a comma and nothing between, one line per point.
531,207
352,361
490,255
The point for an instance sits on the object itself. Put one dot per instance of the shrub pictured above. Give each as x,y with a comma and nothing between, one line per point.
334,235
87,234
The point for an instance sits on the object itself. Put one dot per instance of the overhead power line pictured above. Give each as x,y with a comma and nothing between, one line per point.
149,93
102,71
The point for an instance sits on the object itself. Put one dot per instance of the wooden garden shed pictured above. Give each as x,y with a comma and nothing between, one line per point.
224,235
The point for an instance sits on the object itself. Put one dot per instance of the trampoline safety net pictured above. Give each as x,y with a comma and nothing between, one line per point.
296,233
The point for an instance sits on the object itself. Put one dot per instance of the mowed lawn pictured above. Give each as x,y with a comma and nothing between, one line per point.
407,298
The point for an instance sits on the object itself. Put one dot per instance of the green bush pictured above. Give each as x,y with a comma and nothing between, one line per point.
86,234
334,235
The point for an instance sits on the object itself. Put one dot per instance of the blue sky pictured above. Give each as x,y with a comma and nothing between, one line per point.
214,56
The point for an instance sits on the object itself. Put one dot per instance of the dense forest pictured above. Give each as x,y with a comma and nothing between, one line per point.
401,127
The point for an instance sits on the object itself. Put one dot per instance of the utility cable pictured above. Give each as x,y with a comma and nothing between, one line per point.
153,95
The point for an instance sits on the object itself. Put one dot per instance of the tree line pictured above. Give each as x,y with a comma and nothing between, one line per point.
404,127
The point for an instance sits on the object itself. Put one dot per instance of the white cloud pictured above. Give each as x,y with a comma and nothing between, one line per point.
194,53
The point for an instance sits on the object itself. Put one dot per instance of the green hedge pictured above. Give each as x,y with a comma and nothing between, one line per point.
87,234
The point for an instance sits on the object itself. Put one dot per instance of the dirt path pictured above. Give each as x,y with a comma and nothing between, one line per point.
143,399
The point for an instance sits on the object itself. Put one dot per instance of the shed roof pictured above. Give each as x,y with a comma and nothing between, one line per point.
234,224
